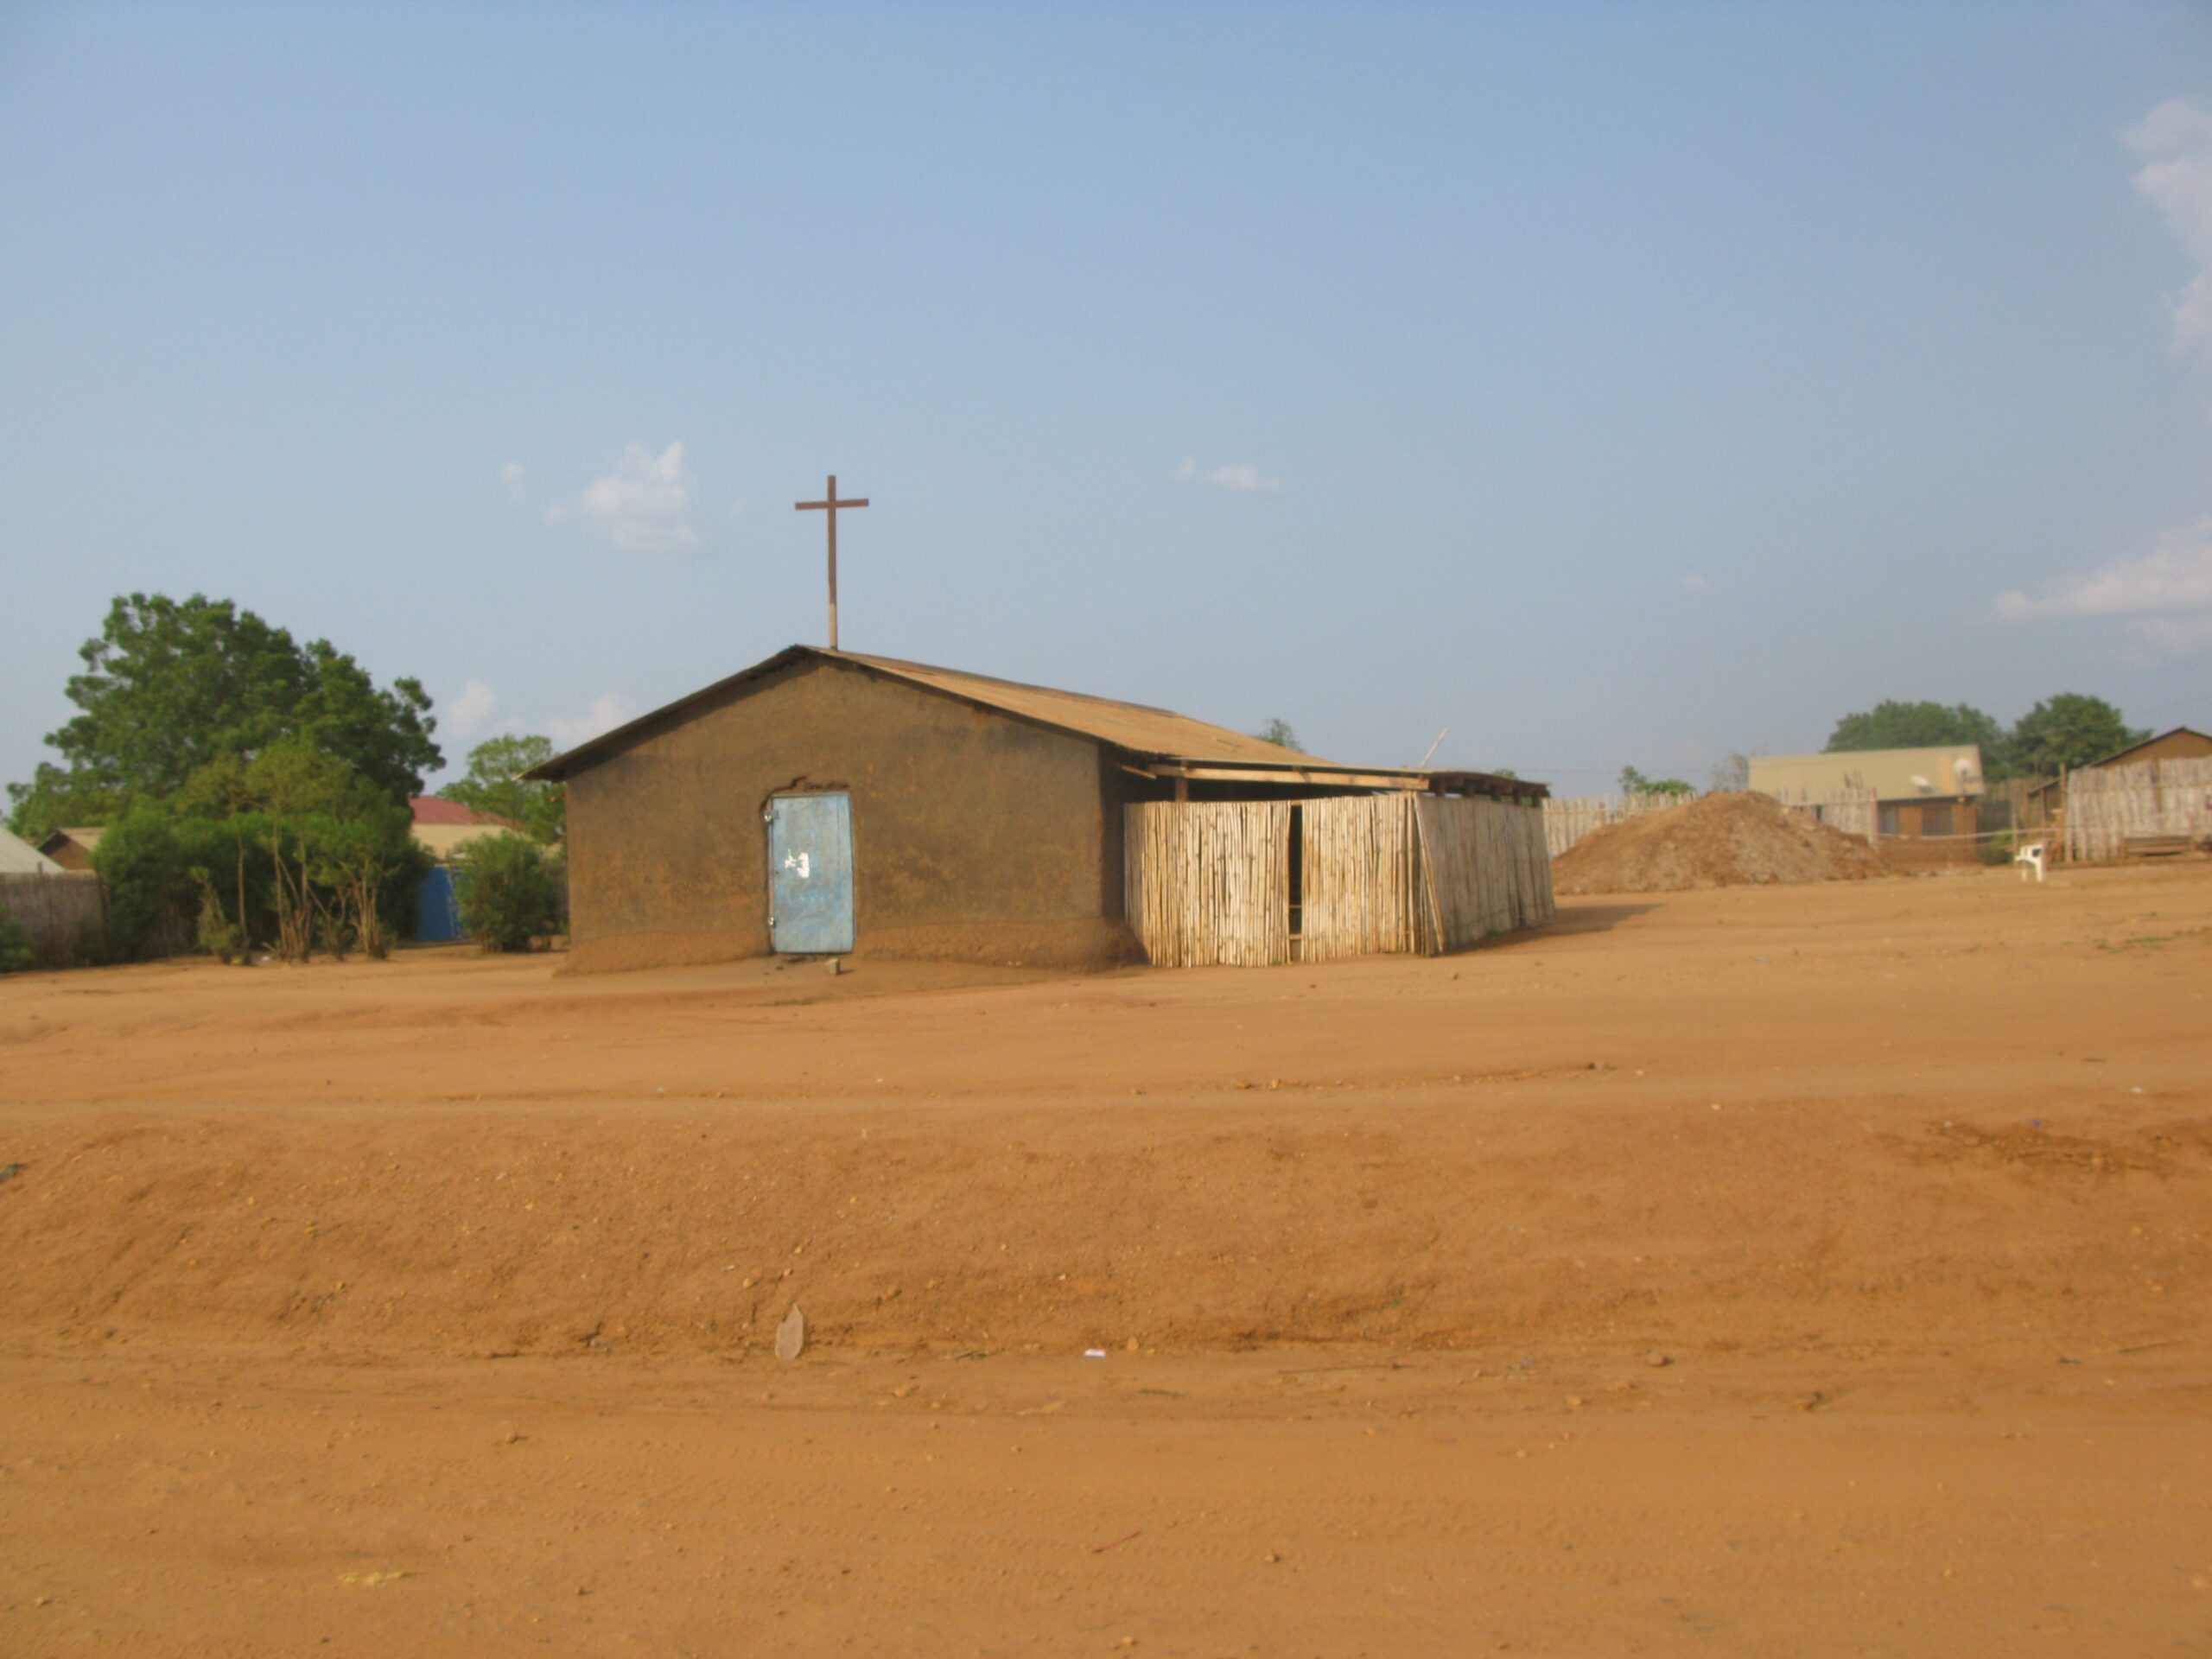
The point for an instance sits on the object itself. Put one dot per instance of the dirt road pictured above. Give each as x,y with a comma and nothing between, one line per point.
426,1306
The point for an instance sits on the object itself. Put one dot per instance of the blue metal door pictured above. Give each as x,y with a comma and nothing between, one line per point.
437,908
811,873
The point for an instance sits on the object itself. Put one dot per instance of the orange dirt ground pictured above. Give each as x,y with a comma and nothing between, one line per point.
425,1307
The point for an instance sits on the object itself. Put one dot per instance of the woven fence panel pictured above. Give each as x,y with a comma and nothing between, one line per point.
2107,804
55,913
1487,868
1208,882
1362,875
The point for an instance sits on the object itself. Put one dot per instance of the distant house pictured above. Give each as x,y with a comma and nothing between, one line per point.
72,849
1921,796
2183,743
445,827
19,857
2108,824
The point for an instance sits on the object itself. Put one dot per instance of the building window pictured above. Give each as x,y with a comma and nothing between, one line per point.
1885,818
1935,818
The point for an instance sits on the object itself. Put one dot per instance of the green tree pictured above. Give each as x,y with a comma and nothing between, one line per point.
172,686
2068,730
1892,725
303,794
506,892
1635,783
1277,730
494,785
368,866
294,849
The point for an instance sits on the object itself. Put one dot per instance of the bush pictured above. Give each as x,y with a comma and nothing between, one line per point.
147,882
218,935
506,892
15,947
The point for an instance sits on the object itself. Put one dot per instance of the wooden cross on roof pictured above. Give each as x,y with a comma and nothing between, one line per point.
829,505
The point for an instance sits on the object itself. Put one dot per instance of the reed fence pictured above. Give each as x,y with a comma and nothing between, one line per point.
2105,806
1487,867
1568,821
56,913
1210,882
1360,870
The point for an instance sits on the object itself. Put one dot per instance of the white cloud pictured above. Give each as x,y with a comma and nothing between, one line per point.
1693,583
1245,479
2165,594
644,505
2178,636
608,709
470,714
2175,141
510,476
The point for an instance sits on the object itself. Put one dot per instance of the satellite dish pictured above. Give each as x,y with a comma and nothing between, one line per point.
1919,782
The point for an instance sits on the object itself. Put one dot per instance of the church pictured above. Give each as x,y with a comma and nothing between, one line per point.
823,803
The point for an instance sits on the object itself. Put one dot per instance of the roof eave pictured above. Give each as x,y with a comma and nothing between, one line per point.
1414,778
589,753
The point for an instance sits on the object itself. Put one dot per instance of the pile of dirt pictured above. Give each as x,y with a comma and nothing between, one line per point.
1716,841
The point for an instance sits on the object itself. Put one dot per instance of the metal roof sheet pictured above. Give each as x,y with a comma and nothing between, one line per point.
1893,774
2120,756
1131,726
19,857
1135,728
436,809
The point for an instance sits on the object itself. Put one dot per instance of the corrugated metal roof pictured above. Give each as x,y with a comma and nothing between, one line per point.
19,857
436,809
1136,729
2119,757
1131,726
1893,774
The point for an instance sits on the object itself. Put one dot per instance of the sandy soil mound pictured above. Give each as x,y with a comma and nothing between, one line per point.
1716,841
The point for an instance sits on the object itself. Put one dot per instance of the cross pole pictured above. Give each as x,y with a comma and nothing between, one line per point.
828,507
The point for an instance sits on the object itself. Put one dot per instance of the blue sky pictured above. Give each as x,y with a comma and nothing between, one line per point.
1606,384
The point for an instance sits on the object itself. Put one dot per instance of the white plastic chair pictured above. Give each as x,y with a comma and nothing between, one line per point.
2030,857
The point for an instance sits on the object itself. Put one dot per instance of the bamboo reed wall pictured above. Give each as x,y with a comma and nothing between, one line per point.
1209,883
2107,804
1360,875
1488,869
55,911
